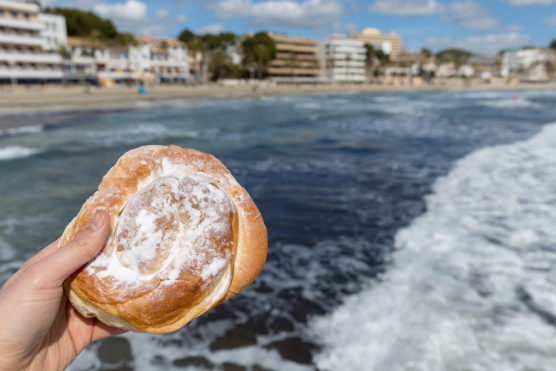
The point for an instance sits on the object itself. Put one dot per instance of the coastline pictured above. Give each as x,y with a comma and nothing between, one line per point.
62,101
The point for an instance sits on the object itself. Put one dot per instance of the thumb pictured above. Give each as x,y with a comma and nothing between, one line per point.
79,251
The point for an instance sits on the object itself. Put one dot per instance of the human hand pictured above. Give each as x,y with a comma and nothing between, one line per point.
39,329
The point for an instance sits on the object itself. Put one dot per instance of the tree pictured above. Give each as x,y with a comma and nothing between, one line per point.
426,53
125,39
458,56
258,50
186,36
553,44
221,67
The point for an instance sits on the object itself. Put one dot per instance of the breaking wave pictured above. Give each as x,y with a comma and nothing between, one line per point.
471,285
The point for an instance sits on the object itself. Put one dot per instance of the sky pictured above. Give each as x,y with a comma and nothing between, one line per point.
483,27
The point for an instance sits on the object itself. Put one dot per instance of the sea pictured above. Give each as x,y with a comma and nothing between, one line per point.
407,231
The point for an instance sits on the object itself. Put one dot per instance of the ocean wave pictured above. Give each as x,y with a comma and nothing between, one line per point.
142,132
471,286
22,130
15,152
514,102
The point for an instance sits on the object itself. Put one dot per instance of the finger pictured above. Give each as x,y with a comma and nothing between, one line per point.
70,257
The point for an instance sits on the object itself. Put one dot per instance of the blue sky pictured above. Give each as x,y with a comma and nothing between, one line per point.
481,26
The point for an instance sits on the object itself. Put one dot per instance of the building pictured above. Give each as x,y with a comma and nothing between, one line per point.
389,44
344,59
527,64
147,61
53,31
167,59
25,54
297,59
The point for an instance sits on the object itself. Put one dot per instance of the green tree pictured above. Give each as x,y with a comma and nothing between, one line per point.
186,36
426,53
553,44
458,56
221,67
258,50
125,39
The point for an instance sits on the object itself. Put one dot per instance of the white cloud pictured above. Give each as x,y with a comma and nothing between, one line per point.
288,13
551,21
485,44
212,28
530,2
472,16
181,18
131,10
407,8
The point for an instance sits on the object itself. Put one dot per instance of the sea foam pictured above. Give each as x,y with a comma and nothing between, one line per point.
13,152
471,286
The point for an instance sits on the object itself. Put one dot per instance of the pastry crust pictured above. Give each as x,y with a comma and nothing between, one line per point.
185,236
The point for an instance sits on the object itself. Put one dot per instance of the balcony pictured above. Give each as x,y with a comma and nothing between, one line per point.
22,40
30,74
30,58
21,24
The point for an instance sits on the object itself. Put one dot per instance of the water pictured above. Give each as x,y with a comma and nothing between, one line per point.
406,231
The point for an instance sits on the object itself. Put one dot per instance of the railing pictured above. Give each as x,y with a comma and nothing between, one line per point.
30,57
30,74
22,40
22,24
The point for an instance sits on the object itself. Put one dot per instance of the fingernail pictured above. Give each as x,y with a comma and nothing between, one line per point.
97,221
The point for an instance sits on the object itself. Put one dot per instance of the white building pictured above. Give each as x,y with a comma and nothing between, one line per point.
23,49
53,31
529,64
168,59
344,59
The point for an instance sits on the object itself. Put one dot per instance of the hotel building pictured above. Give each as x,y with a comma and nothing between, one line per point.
28,43
344,59
389,44
296,57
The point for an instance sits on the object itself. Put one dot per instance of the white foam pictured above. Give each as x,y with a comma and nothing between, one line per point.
22,130
14,152
472,282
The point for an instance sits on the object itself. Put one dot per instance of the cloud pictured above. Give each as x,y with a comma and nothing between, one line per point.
472,16
131,10
407,8
551,21
286,13
214,28
485,44
530,2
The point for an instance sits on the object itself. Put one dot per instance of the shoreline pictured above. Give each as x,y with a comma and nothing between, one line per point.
19,106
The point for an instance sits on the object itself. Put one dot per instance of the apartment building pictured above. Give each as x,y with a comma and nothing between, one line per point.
344,59
389,44
24,51
168,58
296,57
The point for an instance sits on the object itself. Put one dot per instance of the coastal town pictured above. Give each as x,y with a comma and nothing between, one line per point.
38,47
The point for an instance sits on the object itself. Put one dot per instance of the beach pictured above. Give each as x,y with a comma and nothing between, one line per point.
24,100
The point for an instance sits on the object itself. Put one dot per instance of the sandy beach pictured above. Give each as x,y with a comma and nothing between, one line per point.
21,100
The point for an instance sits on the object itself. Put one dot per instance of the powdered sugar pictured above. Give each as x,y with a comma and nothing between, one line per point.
176,223
213,268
